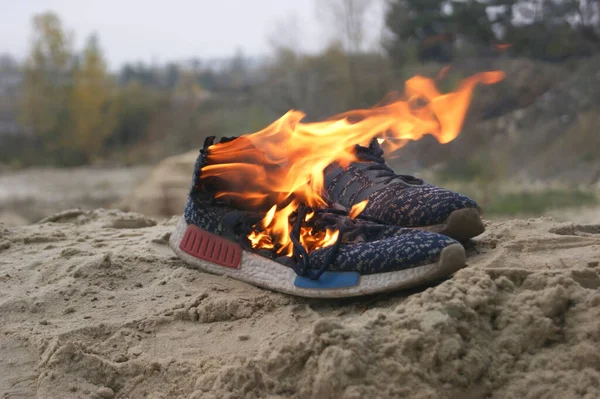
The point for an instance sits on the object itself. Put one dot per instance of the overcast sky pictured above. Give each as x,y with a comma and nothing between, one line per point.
161,31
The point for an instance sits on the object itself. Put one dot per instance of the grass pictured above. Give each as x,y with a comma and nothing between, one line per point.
501,197
537,202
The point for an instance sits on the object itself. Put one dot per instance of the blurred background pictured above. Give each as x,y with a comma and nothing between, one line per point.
105,104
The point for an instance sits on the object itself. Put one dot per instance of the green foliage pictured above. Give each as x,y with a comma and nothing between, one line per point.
323,84
535,203
500,197
430,28
469,169
68,105
557,42
411,23
257,118
47,82
78,113
91,104
543,29
136,105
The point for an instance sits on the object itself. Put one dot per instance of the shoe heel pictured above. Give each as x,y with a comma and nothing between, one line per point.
210,247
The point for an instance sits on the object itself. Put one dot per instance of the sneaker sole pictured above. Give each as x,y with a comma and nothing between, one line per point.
461,225
263,272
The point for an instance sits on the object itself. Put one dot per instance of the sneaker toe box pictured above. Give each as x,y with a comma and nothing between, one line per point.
416,206
406,248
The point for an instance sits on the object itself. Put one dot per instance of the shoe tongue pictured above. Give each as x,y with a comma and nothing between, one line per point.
372,153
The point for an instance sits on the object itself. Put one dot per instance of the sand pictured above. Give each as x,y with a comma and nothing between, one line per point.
28,195
582,215
94,304
165,190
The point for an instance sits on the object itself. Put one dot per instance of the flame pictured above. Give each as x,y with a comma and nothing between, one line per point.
275,224
357,209
269,216
284,163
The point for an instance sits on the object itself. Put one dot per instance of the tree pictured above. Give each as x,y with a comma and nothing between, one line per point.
433,27
237,70
172,74
422,24
545,29
136,106
45,92
349,19
91,106
9,83
286,35
555,29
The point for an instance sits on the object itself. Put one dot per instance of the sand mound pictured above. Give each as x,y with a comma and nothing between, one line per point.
94,304
165,190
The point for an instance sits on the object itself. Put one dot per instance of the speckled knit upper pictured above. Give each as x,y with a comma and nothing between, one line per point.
380,248
404,201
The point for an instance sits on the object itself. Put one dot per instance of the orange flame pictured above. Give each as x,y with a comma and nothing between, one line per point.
357,209
284,163
275,224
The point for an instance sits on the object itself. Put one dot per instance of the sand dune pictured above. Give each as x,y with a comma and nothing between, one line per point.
94,304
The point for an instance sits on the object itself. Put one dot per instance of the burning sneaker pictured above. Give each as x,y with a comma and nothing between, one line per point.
296,249
258,209
400,199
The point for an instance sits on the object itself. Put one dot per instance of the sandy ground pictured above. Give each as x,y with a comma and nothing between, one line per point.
94,304
582,215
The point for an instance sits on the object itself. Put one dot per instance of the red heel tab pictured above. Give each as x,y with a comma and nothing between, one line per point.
210,247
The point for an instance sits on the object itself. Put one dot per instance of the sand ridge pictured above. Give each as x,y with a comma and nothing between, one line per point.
94,304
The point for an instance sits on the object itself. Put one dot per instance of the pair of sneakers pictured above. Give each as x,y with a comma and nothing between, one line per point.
408,234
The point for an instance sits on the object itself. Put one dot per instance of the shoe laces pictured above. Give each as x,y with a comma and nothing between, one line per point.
374,155
352,230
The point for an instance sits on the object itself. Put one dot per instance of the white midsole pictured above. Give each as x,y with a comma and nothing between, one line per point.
263,272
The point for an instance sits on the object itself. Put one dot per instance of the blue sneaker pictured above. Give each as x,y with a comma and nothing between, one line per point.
367,257
400,199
